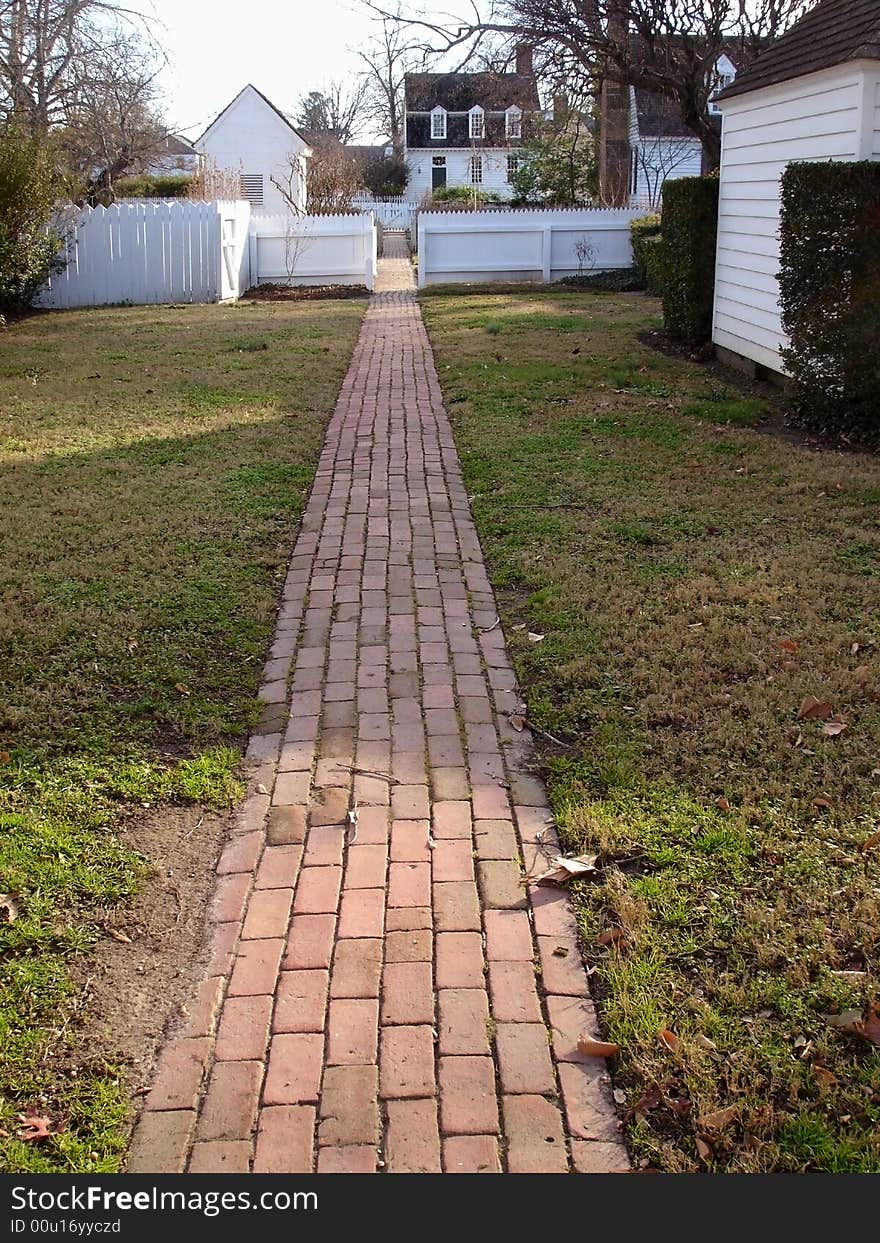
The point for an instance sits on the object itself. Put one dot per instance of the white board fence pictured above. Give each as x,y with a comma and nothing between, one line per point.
151,252
392,213
522,245
313,250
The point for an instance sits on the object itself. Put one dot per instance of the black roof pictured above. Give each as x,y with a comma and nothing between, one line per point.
459,92
834,32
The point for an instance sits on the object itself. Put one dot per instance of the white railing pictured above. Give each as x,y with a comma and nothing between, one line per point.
392,213
150,252
522,244
313,250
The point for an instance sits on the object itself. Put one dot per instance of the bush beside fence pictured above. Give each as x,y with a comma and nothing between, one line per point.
690,226
829,284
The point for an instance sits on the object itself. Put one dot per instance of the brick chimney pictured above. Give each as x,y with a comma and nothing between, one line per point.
525,65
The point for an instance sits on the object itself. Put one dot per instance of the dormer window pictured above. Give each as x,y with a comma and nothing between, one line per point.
438,123
477,123
513,123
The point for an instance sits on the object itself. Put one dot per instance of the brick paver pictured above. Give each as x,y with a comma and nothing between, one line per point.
385,991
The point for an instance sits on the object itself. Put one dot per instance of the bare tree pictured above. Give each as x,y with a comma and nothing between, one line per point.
213,182
387,59
669,47
337,111
112,126
334,179
46,49
656,159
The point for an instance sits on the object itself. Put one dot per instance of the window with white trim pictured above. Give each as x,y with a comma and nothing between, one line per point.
252,188
513,123
477,123
475,170
512,166
438,123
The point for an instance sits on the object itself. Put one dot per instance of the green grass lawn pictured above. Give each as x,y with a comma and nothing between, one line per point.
696,580
154,463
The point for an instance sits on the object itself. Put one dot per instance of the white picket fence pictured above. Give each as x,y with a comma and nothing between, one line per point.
150,252
522,245
392,213
313,250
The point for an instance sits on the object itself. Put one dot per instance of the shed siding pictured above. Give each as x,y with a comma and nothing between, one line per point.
815,117
875,149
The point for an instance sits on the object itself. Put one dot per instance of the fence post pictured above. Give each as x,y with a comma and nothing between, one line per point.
546,253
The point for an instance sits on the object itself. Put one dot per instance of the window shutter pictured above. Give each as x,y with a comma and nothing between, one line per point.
252,188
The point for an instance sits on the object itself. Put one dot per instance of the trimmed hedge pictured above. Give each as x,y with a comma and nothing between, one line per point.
642,231
690,226
829,285
30,183
166,186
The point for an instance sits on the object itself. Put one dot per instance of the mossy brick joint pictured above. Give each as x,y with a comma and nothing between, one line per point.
829,285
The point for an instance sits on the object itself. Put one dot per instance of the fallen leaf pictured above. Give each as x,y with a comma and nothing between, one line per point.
703,1042
832,729
182,690
824,1077
718,1119
590,1047
813,709
788,645
822,801
520,626
536,638
871,1024
132,645
870,842
861,674
679,1105
855,649
4,757
704,1151
35,1127
612,936
651,1099
562,870
619,1096
669,1039
560,951
9,908
722,804
120,936
517,722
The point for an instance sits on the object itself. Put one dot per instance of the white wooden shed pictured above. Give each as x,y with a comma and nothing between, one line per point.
813,95
255,141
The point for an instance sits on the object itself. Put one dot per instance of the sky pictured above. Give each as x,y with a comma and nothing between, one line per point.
284,47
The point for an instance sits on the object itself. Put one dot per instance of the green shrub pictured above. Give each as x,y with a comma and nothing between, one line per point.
170,186
641,230
652,252
690,224
462,196
829,285
29,187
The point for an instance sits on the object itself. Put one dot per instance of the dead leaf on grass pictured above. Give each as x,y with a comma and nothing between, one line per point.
118,935
704,1150
669,1039
4,757
652,1098
858,1022
824,1078
10,908
861,674
722,803
590,1047
788,645
611,936
718,1119
832,729
182,690
35,1127
534,637
870,842
563,870
822,802
813,709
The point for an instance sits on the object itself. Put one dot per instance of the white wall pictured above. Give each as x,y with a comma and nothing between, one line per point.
820,116
663,159
458,170
251,138
149,252
875,142
524,245
313,250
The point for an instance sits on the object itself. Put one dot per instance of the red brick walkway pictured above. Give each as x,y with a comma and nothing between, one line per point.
383,992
